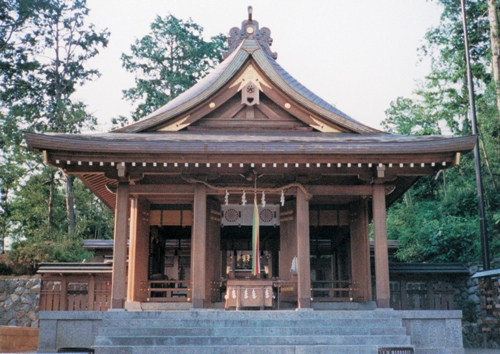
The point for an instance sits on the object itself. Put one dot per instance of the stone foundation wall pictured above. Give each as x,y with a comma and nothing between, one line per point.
19,300
468,299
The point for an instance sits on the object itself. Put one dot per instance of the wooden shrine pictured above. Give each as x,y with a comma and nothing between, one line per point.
181,182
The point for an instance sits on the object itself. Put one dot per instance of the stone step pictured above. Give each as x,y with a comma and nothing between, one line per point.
212,331
249,331
383,340
231,323
220,314
229,349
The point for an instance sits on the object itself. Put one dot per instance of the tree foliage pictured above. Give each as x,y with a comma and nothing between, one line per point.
437,220
44,52
168,61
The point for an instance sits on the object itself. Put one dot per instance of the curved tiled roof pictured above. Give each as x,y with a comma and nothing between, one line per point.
193,96
251,143
226,71
304,91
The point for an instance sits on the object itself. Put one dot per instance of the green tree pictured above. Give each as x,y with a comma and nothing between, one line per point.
67,43
437,220
168,61
16,66
44,52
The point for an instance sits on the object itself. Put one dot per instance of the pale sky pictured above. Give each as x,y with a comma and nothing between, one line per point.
358,55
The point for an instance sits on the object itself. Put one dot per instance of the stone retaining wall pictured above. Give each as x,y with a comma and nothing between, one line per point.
468,299
19,300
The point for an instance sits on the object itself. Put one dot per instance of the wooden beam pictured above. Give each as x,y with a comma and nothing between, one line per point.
204,109
295,108
157,189
198,247
303,251
340,190
118,289
250,156
381,254
180,189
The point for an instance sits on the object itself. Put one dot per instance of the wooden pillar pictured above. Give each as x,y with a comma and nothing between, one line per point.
138,249
381,255
303,251
360,251
198,246
118,290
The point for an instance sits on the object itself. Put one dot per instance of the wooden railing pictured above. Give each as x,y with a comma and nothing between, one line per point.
418,295
167,290
332,290
75,293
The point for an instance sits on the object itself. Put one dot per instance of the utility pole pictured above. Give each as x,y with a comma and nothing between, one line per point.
485,250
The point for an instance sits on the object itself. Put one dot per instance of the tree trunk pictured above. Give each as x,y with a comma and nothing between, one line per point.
51,199
70,205
495,46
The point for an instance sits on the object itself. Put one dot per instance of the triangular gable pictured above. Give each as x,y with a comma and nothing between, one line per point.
248,91
243,105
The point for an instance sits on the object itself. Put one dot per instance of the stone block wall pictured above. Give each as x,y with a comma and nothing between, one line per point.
468,299
19,301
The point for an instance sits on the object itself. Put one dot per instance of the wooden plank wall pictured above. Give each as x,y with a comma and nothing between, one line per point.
75,292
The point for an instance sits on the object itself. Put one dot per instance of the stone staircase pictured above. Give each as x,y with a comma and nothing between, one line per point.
215,331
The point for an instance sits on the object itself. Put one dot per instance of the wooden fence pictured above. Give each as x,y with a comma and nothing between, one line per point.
421,295
85,292
332,290
167,290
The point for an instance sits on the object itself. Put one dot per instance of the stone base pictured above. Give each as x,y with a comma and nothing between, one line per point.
335,306
430,332
165,306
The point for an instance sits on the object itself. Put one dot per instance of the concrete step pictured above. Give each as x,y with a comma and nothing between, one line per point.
249,331
386,340
253,315
271,349
231,323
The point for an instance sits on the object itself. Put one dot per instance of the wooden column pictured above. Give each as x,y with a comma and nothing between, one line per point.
198,246
303,251
360,251
138,249
381,255
118,289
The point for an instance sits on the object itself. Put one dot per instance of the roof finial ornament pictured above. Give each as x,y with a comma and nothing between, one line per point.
250,30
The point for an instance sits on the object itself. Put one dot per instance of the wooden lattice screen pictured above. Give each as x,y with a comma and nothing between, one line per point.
421,295
85,292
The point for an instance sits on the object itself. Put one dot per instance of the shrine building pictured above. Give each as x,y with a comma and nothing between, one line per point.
183,183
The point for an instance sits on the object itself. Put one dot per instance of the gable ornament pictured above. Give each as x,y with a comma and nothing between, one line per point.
250,30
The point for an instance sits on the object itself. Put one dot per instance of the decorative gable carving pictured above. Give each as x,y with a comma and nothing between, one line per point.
250,82
250,30
175,126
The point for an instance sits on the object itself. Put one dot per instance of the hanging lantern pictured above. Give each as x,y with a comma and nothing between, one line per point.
244,198
282,198
226,198
263,199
